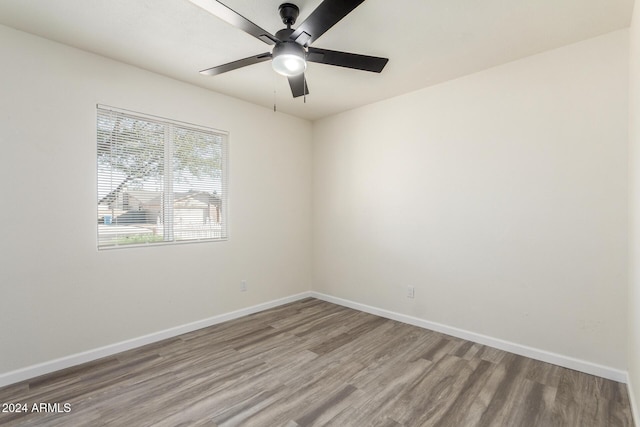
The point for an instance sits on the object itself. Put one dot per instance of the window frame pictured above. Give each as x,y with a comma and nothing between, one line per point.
168,150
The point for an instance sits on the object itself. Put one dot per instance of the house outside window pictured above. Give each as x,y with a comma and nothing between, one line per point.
159,181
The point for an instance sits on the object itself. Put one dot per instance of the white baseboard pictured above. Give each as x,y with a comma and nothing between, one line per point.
90,355
632,398
33,371
523,350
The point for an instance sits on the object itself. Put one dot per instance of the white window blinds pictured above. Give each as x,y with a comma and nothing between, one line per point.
159,180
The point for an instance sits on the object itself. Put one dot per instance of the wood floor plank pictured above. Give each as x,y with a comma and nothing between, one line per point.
433,392
327,407
458,412
313,363
490,354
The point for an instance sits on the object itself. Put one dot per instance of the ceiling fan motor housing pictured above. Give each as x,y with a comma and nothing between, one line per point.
284,34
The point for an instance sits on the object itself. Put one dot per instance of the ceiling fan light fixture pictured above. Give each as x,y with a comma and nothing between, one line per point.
292,47
288,59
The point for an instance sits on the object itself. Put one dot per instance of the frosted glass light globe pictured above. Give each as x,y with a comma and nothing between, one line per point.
288,59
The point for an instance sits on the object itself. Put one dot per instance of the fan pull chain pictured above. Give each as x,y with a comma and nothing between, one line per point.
304,87
274,93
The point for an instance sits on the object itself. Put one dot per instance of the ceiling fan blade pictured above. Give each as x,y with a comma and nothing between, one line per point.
298,85
324,17
236,64
234,18
345,59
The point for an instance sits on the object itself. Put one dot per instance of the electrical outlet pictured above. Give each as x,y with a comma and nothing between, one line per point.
243,286
411,292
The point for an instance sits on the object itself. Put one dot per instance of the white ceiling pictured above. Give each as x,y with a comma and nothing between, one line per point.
426,41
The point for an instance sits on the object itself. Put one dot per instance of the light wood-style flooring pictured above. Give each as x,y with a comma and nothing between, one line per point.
314,363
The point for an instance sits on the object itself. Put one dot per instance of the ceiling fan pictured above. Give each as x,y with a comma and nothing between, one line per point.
291,47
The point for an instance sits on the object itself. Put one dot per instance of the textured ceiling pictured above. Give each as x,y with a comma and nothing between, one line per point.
427,41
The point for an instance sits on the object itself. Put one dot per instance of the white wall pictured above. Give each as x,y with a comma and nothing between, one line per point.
58,294
501,196
634,214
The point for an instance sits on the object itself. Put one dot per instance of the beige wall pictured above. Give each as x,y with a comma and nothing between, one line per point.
58,294
501,197
634,213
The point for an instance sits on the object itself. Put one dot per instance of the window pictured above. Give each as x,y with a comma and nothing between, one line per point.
159,181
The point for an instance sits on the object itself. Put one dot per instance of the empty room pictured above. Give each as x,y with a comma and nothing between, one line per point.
320,213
